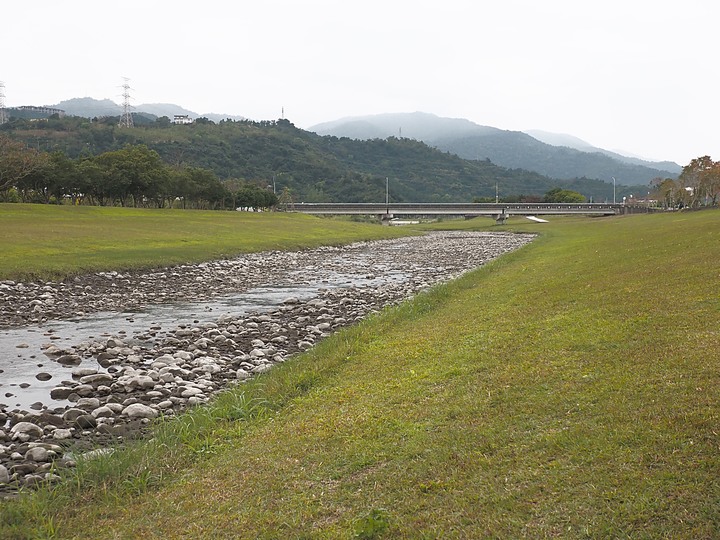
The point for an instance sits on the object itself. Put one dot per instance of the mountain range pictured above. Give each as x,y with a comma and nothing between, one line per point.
90,108
555,155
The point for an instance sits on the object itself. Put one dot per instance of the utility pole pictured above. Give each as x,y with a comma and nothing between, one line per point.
497,198
613,188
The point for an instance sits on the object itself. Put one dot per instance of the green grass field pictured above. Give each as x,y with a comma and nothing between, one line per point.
568,390
47,241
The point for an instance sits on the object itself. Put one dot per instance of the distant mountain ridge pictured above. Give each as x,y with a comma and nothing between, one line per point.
90,108
570,141
565,157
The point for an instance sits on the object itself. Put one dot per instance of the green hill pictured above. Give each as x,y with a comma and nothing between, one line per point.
315,168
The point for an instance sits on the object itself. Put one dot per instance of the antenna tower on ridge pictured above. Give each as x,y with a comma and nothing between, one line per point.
126,120
3,112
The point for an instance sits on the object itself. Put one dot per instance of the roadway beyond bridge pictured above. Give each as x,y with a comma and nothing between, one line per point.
499,211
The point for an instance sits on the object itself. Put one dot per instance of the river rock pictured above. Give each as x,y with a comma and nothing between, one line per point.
72,414
78,373
262,368
26,428
96,379
103,412
86,421
139,382
4,475
69,359
37,454
191,391
138,410
62,434
87,403
114,343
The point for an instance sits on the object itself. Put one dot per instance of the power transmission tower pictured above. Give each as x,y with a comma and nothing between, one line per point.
3,111
126,120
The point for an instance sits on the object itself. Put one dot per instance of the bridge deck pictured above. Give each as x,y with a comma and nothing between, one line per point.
460,209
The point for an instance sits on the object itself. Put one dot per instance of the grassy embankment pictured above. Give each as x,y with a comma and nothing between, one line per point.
44,241
569,389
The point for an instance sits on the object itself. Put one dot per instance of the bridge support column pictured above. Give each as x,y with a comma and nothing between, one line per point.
501,218
385,218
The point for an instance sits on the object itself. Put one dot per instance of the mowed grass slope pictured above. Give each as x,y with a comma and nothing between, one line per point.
48,241
567,390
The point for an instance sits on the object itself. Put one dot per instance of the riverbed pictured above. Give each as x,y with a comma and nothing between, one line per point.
98,356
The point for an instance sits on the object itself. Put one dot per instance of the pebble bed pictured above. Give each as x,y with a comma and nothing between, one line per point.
116,386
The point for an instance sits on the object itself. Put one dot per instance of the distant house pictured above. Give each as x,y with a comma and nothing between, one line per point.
182,119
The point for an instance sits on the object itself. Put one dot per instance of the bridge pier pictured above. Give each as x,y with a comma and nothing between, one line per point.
385,218
501,218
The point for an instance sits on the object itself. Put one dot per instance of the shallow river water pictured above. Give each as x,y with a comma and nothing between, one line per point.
261,282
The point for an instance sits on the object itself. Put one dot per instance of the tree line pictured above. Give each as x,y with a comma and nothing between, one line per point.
131,176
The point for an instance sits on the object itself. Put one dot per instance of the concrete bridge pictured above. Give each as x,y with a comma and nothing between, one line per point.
499,211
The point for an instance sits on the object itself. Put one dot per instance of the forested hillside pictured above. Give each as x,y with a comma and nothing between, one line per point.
512,149
314,168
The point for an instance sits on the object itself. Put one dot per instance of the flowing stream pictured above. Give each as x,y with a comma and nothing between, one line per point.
385,271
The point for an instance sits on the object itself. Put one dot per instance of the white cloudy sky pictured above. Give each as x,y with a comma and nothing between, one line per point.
636,75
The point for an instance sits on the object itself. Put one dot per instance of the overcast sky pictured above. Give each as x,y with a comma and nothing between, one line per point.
633,75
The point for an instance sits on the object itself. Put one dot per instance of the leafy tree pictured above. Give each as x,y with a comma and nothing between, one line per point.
254,197
694,179
559,195
16,162
95,181
667,191
285,200
163,122
65,178
711,182
203,121
211,193
134,171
